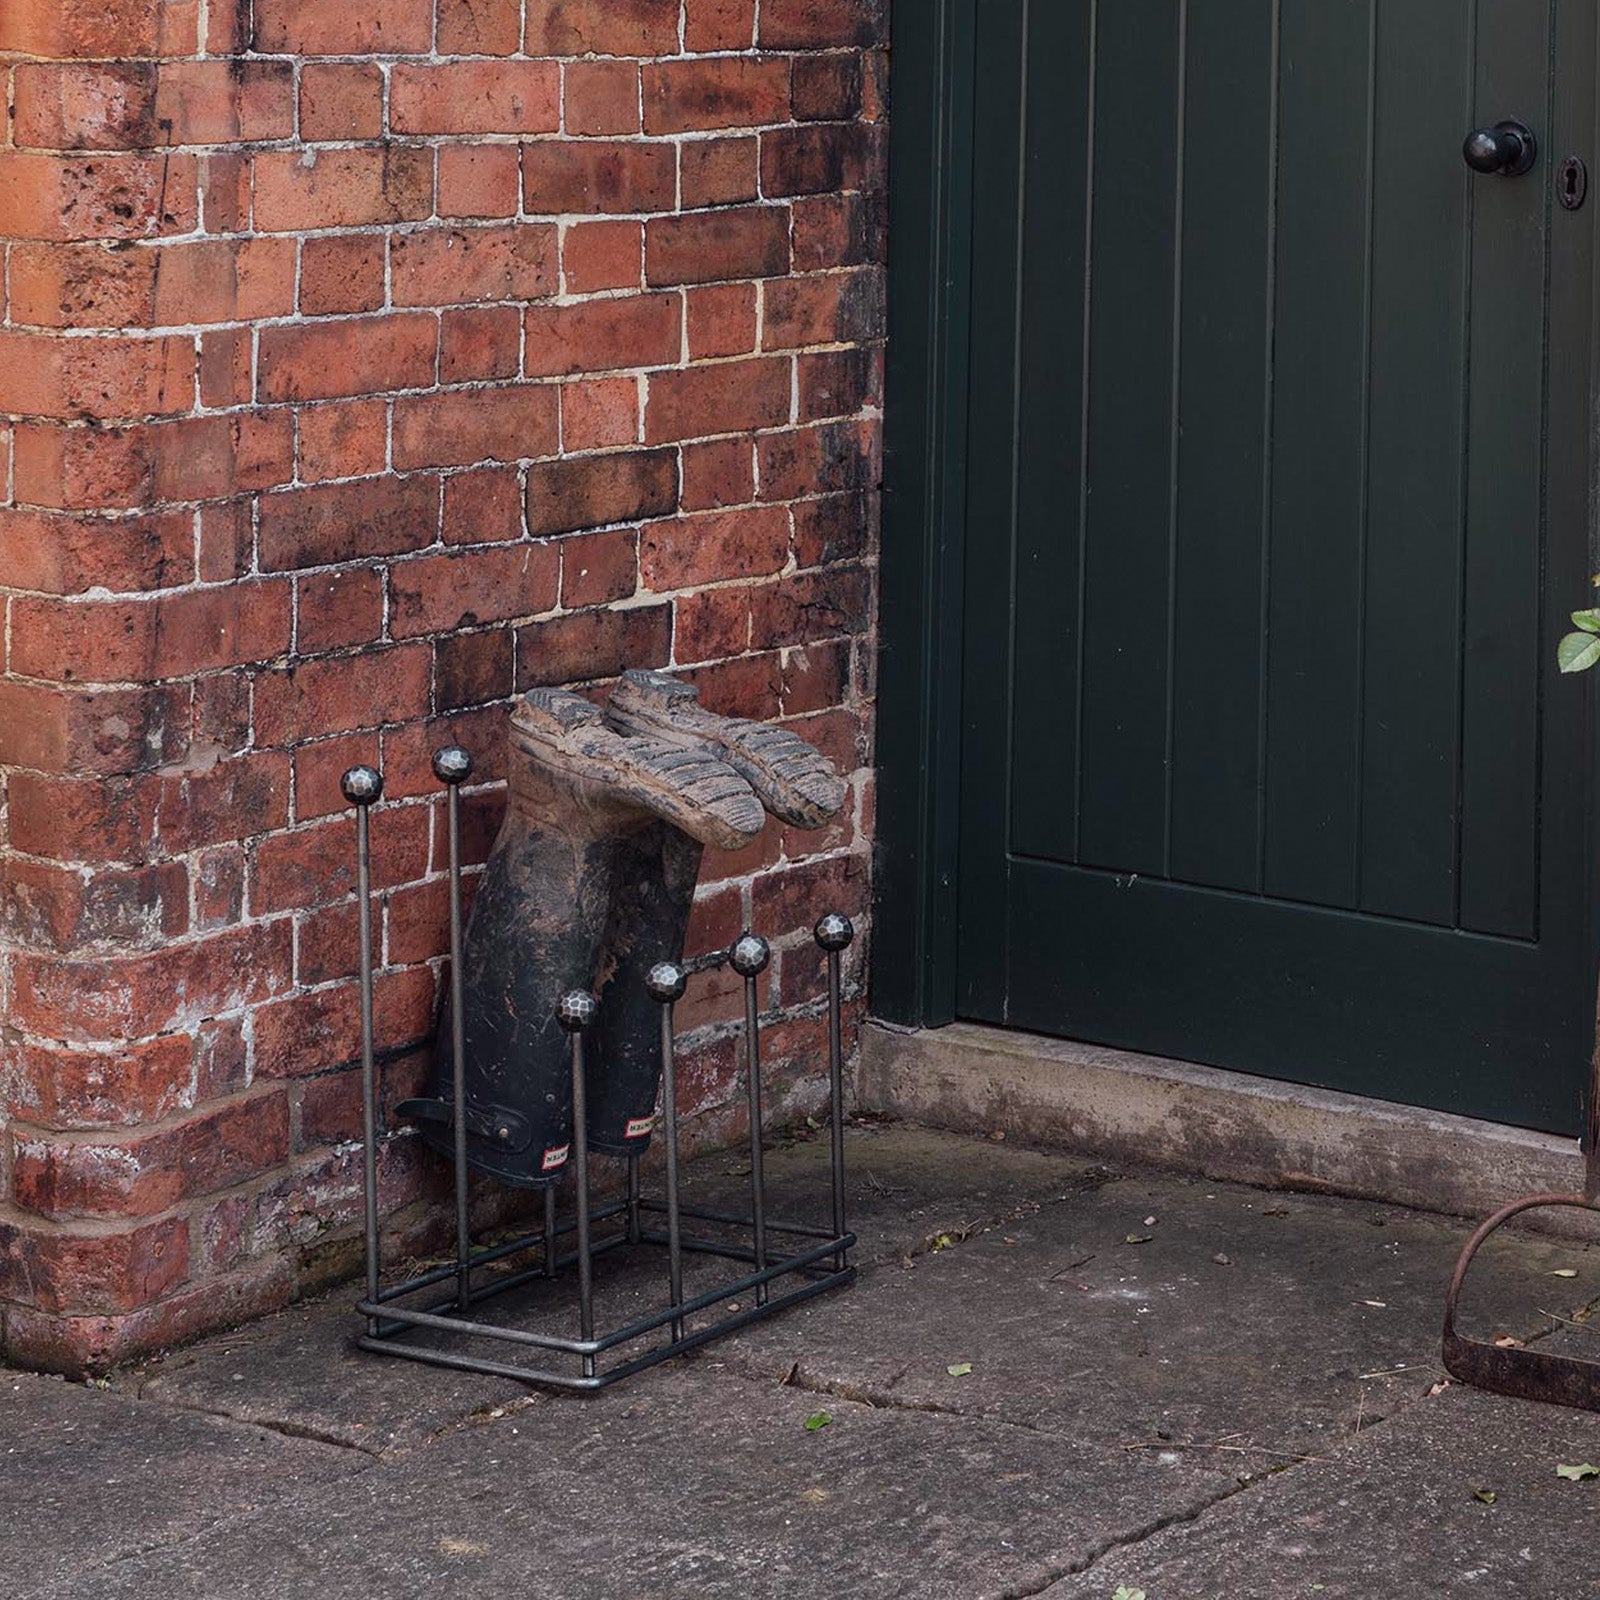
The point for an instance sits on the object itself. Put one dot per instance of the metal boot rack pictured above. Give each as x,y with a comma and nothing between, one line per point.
809,1260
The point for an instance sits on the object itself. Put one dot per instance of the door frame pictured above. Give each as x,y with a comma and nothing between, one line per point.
924,518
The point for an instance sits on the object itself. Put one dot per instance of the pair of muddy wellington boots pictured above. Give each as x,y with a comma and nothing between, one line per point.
589,885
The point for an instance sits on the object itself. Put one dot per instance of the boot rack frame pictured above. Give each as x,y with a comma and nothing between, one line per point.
801,1264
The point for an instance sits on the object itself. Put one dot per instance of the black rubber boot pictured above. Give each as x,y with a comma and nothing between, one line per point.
658,869
580,792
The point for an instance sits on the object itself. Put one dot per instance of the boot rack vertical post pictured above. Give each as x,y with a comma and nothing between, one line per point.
810,1260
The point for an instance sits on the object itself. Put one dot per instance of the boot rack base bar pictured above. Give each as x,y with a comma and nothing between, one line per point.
820,1259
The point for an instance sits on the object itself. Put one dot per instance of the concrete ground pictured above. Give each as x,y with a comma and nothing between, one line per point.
1050,1380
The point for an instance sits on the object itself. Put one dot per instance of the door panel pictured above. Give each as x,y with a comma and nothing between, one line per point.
1273,508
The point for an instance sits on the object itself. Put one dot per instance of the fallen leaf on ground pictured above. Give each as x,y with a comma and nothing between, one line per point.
461,1547
1576,1474
959,1369
1504,1341
1486,1496
1125,1593
1565,1272
1377,1305
1138,1238
818,1420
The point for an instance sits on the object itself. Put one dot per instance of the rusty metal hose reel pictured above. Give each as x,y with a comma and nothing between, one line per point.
1523,1373
558,1033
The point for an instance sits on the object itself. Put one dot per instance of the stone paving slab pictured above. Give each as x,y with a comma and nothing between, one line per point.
907,1186
694,1483
1395,1514
1156,1311
88,1478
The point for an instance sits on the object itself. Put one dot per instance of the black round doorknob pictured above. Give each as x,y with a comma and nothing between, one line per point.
1508,148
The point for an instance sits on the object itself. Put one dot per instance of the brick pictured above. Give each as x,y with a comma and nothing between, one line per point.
728,397
480,180
723,92
719,24
142,1174
60,1271
343,273
839,230
343,441
439,594
232,799
582,646
359,356
123,1086
476,97
599,568
601,335
319,526
315,865
831,528
832,458
194,458
342,188
175,635
481,343
719,172
471,668
56,728
456,266
593,491
96,28
711,624
721,473
56,553
138,996
219,889
482,507
830,308
340,694
836,383
320,1031
462,428
600,413
602,255
351,28
53,908
338,608
116,196
598,175
827,88
479,27
820,158
600,97
616,28
226,375
206,281
318,768
823,24
809,606
713,547
341,100
716,246
721,320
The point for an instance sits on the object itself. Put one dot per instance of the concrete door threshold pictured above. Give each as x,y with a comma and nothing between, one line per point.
1149,1111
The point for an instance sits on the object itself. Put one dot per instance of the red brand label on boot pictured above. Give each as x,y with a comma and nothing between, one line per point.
556,1158
640,1126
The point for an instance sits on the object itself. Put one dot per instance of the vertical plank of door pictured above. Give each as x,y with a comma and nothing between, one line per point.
1411,677
1313,684
1230,164
1000,100
1127,558
1505,643
1052,386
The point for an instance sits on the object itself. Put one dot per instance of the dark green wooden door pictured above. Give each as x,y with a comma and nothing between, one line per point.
1278,493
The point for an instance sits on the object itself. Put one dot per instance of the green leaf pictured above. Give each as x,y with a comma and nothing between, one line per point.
1589,621
959,1369
1578,652
818,1420
1485,1496
1125,1593
1576,1474
1138,1238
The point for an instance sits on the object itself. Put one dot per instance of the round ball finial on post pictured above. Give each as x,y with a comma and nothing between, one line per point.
362,786
666,981
749,957
452,765
835,932
577,1011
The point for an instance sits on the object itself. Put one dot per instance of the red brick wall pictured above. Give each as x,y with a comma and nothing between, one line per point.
363,363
